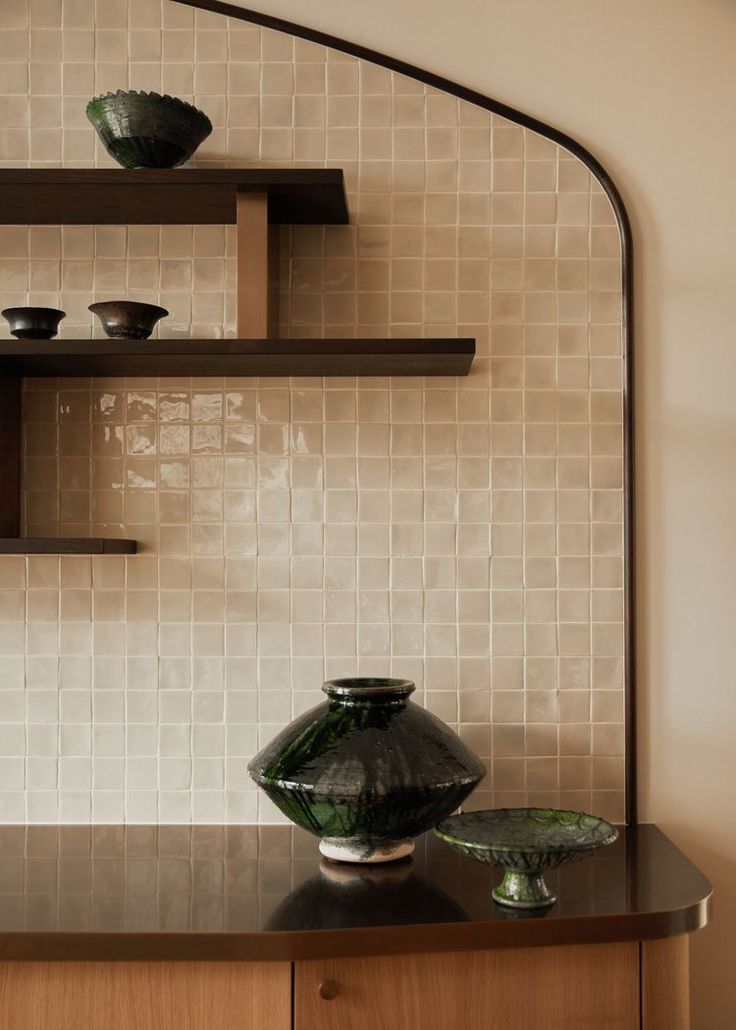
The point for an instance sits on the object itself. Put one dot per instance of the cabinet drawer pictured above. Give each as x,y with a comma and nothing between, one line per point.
581,987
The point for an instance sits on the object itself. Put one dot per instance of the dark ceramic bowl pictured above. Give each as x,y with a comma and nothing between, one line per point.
128,319
367,770
525,842
147,130
33,323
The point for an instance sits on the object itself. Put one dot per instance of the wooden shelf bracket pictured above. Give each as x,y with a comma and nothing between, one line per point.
252,265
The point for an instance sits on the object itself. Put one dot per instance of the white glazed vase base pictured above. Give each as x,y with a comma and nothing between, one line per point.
352,851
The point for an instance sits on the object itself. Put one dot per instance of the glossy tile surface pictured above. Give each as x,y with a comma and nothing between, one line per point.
465,534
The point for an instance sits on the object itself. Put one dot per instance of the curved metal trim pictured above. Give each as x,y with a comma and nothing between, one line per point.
627,275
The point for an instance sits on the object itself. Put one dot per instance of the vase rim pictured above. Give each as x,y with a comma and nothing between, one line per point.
367,687
31,309
130,306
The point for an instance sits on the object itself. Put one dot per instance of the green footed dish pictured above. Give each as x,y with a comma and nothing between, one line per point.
525,842
367,770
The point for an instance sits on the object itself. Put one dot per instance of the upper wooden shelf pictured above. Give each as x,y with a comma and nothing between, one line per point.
397,357
179,196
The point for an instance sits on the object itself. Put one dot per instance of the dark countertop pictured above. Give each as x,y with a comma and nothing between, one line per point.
249,892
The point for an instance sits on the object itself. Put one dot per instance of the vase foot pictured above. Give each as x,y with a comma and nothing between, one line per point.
523,890
345,850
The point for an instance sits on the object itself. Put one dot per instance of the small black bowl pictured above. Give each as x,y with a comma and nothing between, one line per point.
147,130
33,323
128,319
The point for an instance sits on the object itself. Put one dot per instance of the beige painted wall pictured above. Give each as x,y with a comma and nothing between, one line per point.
649,88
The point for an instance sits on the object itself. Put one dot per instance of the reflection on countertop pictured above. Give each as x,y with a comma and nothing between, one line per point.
392,894
238,890
256,878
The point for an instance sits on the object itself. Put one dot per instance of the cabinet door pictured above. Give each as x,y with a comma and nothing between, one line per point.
145,995
590,987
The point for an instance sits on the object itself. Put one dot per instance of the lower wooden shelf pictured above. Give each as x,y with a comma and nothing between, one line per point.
231,357
66,545
206,358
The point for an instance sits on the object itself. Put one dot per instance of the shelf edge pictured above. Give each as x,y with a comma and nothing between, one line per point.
66,545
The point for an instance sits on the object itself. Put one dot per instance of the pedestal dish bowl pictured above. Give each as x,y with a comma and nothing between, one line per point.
31,323
367,770
147,130
128,319
525,842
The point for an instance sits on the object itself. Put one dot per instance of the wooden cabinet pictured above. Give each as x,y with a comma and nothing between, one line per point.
630,985
624,986
145,995
665,984
582,987
611,954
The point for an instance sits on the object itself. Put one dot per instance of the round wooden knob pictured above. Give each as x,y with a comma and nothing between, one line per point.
328,990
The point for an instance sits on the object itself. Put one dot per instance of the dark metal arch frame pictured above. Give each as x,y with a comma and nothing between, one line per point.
268,21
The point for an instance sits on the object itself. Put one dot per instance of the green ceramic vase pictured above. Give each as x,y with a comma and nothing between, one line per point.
367,771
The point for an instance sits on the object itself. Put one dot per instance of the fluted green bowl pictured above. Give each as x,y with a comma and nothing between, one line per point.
147,130
525,842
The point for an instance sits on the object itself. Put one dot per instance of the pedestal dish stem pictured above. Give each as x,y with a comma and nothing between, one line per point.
523,890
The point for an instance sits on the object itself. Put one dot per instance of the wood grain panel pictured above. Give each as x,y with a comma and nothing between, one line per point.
590,987
253,265
665,984
10,455
145,995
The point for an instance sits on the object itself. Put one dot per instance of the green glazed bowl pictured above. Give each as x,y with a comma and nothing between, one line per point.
147,130
525,842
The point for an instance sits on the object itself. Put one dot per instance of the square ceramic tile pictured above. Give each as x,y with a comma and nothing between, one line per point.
467,534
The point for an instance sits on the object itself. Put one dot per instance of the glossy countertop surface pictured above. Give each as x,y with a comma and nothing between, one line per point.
262,892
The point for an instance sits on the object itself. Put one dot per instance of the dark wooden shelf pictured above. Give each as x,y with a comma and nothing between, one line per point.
180,196
397,357
188,196
66,545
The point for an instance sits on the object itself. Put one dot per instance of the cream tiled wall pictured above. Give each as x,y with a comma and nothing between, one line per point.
464,533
